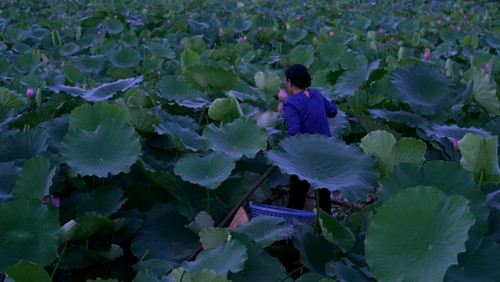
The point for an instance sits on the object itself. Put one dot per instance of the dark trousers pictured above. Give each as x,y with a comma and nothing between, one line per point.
298,193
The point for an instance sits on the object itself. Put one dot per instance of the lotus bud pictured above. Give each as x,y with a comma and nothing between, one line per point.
455,144
459,28
30,92
331,33
282,94
280,106
68,231
52,199
485,69
427,54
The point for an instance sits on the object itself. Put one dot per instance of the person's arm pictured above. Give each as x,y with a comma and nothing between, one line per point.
330,108
292,120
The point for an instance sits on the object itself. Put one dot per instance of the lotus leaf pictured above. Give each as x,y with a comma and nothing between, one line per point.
390,152
225,109
227,256
484,90
113,26
417,234
269,83
169,240
109,149
27,271
345,272
90,64
124,58
302,54
72,73
351,80
208,171
189,58
210,237
242,137
104,201
8,176
28,230
265,230
183,137
209,78
315,252
480,156
175,88
335,232
427,91
35,178
24,145
201,221
447,176
69,49
327,163
88,117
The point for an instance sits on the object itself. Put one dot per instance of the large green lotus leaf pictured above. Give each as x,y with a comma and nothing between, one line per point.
189,58
210,78
260,265
90,224
88,117
303,54
73,74
124,58
417,234
69,49
201,221
104,201
225,109
351,80
141,118
160,49
269,83
35,178
27,271
265,230
480,156
228,256
204,275
345,272
208,171
332,164
175,88
450,177
170,240
9,99
210,237
493,199
315,251
242,137
113,26
100,93
294,35
314,277
407,118
8,175
476,263
24,145
427,91
389,152
484,90
91,64
28,230
335,232
109,149
156,267
453,131
183,137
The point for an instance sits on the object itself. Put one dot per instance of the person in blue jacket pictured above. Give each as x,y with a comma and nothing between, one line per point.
306,111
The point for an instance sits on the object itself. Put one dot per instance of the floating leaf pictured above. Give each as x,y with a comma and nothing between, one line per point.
417,234
27,271
351,80
332,164
35,178
28,230
210,78
228,256
69,49
480,156
265,230
484,90
427,91
104,201
210,237
183,137
208,171
242,137
303,54
335,232
390,152
113,26
294,35
269,83
109,149
225,109
24,145
88,117
201,221
124,58
91,64
73,74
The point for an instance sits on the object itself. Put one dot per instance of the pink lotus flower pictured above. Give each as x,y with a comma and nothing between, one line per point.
30,92
158,72
282,94
485,69
260,28
381,30
427,54
439,22
331,33
459,28
455,144
280,106
297,17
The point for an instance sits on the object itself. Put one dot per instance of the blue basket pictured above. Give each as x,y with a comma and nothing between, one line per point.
292,217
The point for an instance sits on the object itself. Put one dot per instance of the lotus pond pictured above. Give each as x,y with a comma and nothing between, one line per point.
130,129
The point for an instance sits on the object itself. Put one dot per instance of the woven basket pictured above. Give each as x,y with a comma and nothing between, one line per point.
291,216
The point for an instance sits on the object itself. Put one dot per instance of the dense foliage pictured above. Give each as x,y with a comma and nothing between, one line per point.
130,129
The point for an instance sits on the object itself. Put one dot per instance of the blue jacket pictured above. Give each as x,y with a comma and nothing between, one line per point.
308,114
